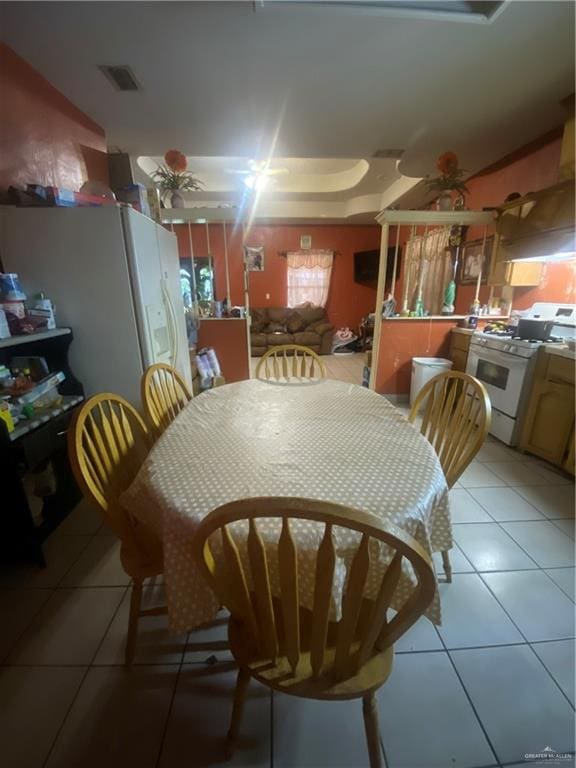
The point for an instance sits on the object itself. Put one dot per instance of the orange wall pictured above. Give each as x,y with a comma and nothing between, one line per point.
400,341
348,301
44,138
230,341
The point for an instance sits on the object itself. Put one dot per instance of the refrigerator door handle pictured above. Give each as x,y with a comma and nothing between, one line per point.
172,325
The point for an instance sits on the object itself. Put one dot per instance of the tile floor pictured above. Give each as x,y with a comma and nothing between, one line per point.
493,683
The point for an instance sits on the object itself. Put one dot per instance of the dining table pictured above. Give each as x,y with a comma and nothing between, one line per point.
326,440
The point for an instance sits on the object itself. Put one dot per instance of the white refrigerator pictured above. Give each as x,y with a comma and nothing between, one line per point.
114,277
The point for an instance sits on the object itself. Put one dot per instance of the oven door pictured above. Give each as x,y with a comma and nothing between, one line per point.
502,374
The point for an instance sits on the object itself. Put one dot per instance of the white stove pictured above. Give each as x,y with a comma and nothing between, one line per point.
511,344
505,363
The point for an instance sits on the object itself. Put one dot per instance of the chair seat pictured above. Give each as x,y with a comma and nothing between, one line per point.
279,675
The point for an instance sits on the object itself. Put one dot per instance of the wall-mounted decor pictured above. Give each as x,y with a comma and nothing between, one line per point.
254,258
305,242
475,260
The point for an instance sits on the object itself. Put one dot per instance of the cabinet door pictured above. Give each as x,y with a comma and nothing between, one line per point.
459,359
550,421
523,274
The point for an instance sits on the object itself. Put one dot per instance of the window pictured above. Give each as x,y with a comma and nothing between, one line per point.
309,277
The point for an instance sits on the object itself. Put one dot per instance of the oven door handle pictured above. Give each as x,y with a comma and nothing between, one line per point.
506,358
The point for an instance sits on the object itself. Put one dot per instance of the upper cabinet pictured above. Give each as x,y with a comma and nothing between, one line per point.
538,224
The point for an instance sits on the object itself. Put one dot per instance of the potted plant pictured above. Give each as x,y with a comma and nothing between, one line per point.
172,178
450,180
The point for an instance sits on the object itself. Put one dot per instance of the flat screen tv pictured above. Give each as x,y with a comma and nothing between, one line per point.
366,266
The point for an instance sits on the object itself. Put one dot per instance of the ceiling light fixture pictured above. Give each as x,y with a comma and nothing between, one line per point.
257,181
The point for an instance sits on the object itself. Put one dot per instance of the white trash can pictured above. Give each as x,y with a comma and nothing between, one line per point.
424,369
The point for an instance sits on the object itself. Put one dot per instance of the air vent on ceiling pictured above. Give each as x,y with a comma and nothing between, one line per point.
389,154
122,78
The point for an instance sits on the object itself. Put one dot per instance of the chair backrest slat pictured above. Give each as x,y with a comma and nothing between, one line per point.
336,643
325,562
164,394
351,606
378,618
288,570
290,361
456,419
263,592
237,587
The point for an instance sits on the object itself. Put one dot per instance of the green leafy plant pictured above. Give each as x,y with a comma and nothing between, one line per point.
172,176
451,177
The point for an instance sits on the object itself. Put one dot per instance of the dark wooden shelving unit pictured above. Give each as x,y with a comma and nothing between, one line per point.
34,444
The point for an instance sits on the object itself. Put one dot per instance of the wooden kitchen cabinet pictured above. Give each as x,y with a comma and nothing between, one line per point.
516,274
459,346
549,425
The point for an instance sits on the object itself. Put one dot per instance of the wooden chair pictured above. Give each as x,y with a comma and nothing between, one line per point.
290,361
164,394
299,650
456,420
107,444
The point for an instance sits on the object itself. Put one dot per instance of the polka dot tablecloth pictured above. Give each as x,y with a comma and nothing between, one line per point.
327,440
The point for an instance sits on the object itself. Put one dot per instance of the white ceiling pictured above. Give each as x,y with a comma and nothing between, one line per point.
306,80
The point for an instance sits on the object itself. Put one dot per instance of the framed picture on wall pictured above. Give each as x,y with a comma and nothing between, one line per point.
474,258
254,258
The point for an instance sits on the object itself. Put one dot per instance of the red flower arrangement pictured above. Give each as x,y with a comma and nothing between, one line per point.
176,160
173,177
451,175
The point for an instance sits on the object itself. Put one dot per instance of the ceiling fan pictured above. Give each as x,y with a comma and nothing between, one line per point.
258,174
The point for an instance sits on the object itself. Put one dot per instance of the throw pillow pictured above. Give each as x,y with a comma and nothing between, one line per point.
257,326
312,315
277,314
295,323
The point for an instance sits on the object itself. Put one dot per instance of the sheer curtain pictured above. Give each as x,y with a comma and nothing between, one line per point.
429,261
309,277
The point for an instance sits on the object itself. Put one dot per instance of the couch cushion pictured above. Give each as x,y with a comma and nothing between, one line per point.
278,314
312,315
257,326
307,339
322,327
259,314
294,323
276,328
275,339
258,339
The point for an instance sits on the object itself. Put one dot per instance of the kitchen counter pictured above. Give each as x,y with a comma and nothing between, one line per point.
560,350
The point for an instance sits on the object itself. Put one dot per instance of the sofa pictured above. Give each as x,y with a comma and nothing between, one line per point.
272,326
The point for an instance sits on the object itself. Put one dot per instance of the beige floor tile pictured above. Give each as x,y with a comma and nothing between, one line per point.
505,504
69,628
34,704
465,509
61,552
554,501
98,566
17,610
478,475
199,719
117,719
517,473
84,520
498,452
155,643
209,641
